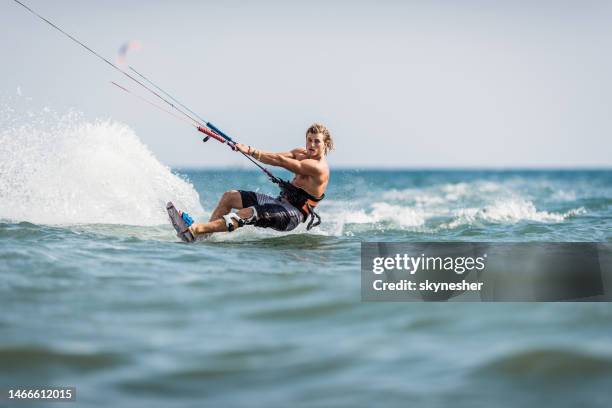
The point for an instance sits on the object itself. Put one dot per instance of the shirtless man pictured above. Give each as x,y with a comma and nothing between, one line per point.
296,201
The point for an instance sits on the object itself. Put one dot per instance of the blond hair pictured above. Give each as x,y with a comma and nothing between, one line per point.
317,128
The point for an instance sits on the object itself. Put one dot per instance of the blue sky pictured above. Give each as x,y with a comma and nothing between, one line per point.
400,84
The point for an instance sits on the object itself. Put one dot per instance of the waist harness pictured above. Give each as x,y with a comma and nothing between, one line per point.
301,200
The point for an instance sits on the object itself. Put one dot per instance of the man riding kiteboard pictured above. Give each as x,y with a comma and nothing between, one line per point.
294,205
297,198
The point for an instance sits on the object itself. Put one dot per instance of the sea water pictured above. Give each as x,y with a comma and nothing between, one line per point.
97,292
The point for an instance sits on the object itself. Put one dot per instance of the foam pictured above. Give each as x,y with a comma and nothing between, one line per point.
446,193
340,216
446,206
62,169
508,212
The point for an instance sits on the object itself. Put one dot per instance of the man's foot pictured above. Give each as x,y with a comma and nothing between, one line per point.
202,235
189,222
191,226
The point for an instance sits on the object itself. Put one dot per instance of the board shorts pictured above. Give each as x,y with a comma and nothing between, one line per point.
272,212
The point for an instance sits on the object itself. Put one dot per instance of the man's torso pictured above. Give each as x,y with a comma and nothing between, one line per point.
313,185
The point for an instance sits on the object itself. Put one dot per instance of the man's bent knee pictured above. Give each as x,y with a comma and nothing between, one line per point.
232,199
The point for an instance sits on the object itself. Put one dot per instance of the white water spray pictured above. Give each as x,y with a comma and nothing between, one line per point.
61,169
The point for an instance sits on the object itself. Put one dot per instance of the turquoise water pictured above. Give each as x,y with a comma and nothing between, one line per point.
97,293
132,317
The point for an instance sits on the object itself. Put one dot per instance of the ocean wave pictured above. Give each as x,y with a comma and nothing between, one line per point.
507,212
421,218
380,212
547,363
447,193
27,358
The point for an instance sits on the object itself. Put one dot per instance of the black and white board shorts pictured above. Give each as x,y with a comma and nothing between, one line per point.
272,212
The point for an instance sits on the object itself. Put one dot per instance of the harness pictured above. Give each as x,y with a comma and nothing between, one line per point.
301,200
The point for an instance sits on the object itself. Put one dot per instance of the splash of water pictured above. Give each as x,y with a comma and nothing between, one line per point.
62,169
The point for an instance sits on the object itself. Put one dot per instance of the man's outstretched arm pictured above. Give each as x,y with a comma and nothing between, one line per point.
304,167
298,153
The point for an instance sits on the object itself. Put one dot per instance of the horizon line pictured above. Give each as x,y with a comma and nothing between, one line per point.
417,168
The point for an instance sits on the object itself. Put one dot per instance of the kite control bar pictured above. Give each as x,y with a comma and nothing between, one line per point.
210,133
218,135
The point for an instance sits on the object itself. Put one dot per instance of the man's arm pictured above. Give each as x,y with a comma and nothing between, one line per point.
305,167
298,153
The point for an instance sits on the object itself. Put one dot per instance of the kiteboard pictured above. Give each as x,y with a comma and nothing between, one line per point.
179,224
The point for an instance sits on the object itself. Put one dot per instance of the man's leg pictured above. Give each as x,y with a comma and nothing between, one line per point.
219,224
229,200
